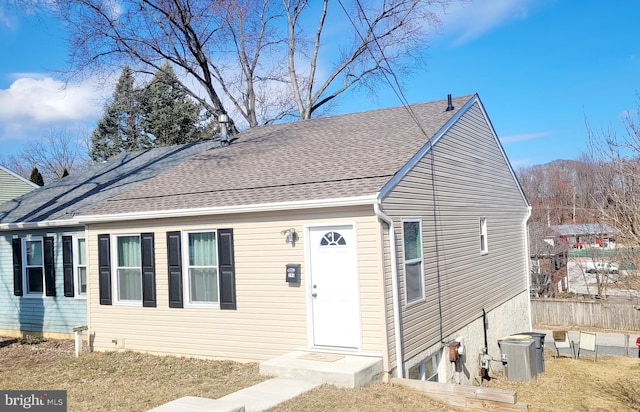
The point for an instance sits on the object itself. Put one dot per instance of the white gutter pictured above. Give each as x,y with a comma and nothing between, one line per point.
528,260
38,225
203,211
394,288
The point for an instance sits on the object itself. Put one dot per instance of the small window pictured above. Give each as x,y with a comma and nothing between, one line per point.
203,267
426,370
333,239
81,267
129,268
34,266
413,269
484,249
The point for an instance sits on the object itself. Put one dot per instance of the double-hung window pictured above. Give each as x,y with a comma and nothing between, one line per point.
129,268
413,265
34,266
202,269
128,261
81,267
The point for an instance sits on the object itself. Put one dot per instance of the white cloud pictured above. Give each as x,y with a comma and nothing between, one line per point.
525,136
469,20
40,99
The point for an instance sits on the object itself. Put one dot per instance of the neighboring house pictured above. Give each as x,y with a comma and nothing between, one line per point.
387,233
587,235
549,257
43,254
13,185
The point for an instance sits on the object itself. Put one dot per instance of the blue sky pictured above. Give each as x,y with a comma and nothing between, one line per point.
540,67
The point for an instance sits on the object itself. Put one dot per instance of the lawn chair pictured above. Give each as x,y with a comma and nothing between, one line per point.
588,342
561,341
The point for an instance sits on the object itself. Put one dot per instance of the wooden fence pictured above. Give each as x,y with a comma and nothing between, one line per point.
585,313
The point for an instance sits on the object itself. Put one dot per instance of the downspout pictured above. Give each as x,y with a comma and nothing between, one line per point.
528,261
394,288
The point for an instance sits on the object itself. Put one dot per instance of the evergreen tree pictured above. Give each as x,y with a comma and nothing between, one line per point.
119,128
170,116
36,177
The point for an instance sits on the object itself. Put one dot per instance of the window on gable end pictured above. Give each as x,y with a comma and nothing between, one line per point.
413,262
484,248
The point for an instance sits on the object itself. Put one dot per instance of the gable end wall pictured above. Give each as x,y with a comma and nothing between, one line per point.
472,180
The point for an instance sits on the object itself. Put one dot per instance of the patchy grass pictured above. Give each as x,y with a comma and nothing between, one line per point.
118,381
374,398
610,384
129,381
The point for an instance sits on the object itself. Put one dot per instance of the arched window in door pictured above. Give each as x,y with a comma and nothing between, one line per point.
333,239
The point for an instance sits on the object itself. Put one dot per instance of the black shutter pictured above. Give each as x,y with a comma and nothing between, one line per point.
174,259
67,265
227,269
148,270
104,269
49,267
16,245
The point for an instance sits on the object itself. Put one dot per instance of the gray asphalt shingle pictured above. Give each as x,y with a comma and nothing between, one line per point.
65,198
325,158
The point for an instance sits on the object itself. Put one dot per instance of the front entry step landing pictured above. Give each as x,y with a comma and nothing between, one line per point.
341,370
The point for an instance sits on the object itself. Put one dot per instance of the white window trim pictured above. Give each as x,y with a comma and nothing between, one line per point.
404,265
76,274
25,282
484,248
186,290
114,271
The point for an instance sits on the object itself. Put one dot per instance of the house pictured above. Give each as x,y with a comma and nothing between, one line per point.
43,255
13,185
549,258
392,233
588,235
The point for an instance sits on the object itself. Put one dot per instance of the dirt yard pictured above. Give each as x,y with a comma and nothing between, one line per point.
128,381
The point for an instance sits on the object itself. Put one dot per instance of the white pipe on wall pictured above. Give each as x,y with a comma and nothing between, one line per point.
394,288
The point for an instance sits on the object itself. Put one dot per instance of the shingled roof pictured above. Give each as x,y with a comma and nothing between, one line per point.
335,157
63,199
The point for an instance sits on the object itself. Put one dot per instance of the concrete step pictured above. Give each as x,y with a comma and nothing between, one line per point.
343,371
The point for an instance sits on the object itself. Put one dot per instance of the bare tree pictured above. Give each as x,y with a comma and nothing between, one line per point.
53,153
256,55
615,170
616,161
383,35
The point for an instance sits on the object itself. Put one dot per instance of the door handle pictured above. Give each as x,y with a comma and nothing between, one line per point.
314,294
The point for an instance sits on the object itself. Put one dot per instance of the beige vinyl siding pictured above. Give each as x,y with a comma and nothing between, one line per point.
472,181
271,315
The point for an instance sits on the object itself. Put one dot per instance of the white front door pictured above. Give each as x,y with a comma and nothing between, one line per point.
334,286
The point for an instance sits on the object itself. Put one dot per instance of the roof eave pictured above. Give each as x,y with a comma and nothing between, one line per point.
223,210
39,225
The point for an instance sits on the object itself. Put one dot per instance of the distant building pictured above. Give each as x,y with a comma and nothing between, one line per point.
548,250
587,235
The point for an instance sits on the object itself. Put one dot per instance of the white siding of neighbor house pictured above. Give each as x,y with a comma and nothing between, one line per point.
271,315
472,181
